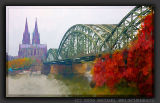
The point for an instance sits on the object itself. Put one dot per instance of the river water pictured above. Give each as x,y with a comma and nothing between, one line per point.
36,85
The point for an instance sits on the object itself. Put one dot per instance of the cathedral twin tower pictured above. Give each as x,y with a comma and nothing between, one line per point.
34,50
26,35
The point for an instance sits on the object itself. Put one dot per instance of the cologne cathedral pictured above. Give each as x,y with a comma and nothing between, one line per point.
34,49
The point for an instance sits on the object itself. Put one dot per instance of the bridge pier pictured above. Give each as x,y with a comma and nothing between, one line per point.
75,68
61,69
79,68
46,69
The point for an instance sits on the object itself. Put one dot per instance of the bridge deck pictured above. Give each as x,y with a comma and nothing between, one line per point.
70,61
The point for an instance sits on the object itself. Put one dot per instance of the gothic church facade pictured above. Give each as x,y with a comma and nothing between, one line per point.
34,49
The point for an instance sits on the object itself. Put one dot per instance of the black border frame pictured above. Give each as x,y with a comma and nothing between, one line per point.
3,3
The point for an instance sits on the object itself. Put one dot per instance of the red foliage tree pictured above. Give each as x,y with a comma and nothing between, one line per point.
140,58
133,64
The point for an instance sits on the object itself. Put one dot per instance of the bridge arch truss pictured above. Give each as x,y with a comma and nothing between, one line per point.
91,39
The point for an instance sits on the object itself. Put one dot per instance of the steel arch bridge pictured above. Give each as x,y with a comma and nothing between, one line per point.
84,41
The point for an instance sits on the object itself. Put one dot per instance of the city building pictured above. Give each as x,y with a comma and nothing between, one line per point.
34,49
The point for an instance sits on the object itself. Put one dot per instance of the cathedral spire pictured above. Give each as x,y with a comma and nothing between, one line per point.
36,38
36,27
26,35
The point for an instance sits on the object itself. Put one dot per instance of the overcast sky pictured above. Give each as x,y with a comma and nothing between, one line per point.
54,21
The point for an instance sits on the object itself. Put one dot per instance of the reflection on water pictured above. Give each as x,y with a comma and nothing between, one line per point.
35,85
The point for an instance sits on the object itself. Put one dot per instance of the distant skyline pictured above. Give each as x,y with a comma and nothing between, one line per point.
54,21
